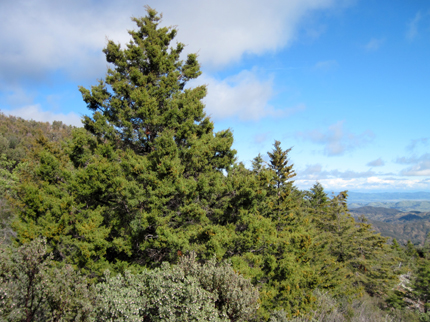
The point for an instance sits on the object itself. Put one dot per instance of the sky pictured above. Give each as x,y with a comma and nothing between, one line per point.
344,83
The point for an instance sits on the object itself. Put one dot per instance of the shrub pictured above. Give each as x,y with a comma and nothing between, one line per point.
186,292
33,289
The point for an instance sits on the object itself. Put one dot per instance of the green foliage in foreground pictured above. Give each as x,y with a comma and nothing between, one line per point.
32,288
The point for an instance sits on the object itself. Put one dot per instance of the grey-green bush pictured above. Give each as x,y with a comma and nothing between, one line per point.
186,292
33,289
237,297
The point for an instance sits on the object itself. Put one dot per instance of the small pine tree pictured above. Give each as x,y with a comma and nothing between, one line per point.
281,186
257,164
421,284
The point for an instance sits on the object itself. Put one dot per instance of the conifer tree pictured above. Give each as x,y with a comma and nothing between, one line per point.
317,198
281,186
257,163
421,284
367,256
333,273
145,180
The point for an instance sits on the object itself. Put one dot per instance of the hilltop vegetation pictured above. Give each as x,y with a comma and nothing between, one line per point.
17,137
145,215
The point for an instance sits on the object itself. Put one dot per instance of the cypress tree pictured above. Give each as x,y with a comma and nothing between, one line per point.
146,178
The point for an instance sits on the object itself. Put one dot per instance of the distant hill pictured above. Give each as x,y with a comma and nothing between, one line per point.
410,217
404,226
376,211
415,231
405,205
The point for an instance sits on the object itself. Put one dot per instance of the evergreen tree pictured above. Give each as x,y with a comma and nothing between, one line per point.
333,273
146,179
365,253
421,284
281,186
317,198
426,247
257,164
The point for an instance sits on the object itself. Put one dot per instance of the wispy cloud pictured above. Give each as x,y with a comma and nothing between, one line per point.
336,140
376,163
316,172
261,137
374,44
412,30
326,65
420,166
35,112
416,142
244,96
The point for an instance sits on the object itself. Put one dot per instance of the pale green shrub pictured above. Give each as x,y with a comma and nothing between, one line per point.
186,292
237,297
32,289
162,294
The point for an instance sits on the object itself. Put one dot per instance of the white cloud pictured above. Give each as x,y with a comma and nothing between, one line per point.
315,172
374,44
40,37
244,96
228,29
336,140
376,163
35,112
366,184
420,166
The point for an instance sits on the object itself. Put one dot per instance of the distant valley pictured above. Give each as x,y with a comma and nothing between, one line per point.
390,222
403,205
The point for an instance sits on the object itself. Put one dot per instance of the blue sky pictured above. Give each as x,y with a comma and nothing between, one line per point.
345,83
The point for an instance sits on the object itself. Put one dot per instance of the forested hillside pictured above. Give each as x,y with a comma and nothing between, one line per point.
17,137
144,214
407,226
